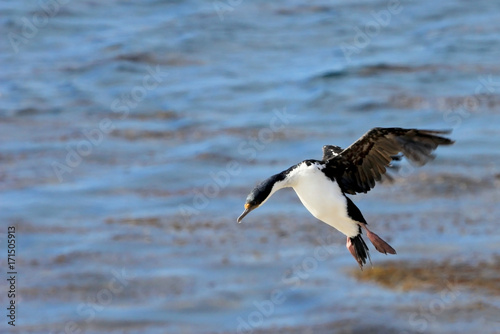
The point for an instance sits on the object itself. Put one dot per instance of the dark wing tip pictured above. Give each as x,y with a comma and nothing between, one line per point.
436,135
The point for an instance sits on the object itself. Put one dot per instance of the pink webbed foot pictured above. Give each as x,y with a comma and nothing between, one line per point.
379,243
358,250
352,250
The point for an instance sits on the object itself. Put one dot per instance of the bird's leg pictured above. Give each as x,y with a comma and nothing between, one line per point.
352,250
378,242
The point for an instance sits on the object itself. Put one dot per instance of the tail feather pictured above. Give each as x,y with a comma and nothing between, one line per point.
359,250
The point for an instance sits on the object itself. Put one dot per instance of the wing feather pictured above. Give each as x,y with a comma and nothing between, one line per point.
361,165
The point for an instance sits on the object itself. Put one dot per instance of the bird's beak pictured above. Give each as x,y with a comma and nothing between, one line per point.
246,212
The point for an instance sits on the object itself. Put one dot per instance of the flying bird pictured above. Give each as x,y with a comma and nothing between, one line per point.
322,185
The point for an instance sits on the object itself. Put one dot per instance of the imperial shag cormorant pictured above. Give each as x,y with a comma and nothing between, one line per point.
322,185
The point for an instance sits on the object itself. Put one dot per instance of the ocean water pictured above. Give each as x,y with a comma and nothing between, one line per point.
131,133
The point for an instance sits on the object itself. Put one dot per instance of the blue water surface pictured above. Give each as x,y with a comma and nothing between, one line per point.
131,133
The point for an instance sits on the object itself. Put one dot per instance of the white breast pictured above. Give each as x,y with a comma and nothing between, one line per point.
323,198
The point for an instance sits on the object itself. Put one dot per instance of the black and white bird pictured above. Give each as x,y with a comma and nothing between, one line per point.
322,185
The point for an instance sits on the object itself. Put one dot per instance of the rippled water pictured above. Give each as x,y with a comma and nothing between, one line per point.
131,134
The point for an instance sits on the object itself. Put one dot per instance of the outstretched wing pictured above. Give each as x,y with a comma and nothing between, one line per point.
330,151
359,166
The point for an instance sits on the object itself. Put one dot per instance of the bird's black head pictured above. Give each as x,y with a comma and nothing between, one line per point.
260,194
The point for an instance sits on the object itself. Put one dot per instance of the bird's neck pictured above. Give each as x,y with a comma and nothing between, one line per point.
285,179
280,185
276,185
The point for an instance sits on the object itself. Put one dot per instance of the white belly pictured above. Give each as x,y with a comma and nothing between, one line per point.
324,200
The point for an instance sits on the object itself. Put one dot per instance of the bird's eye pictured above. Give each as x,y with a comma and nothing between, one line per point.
247,205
